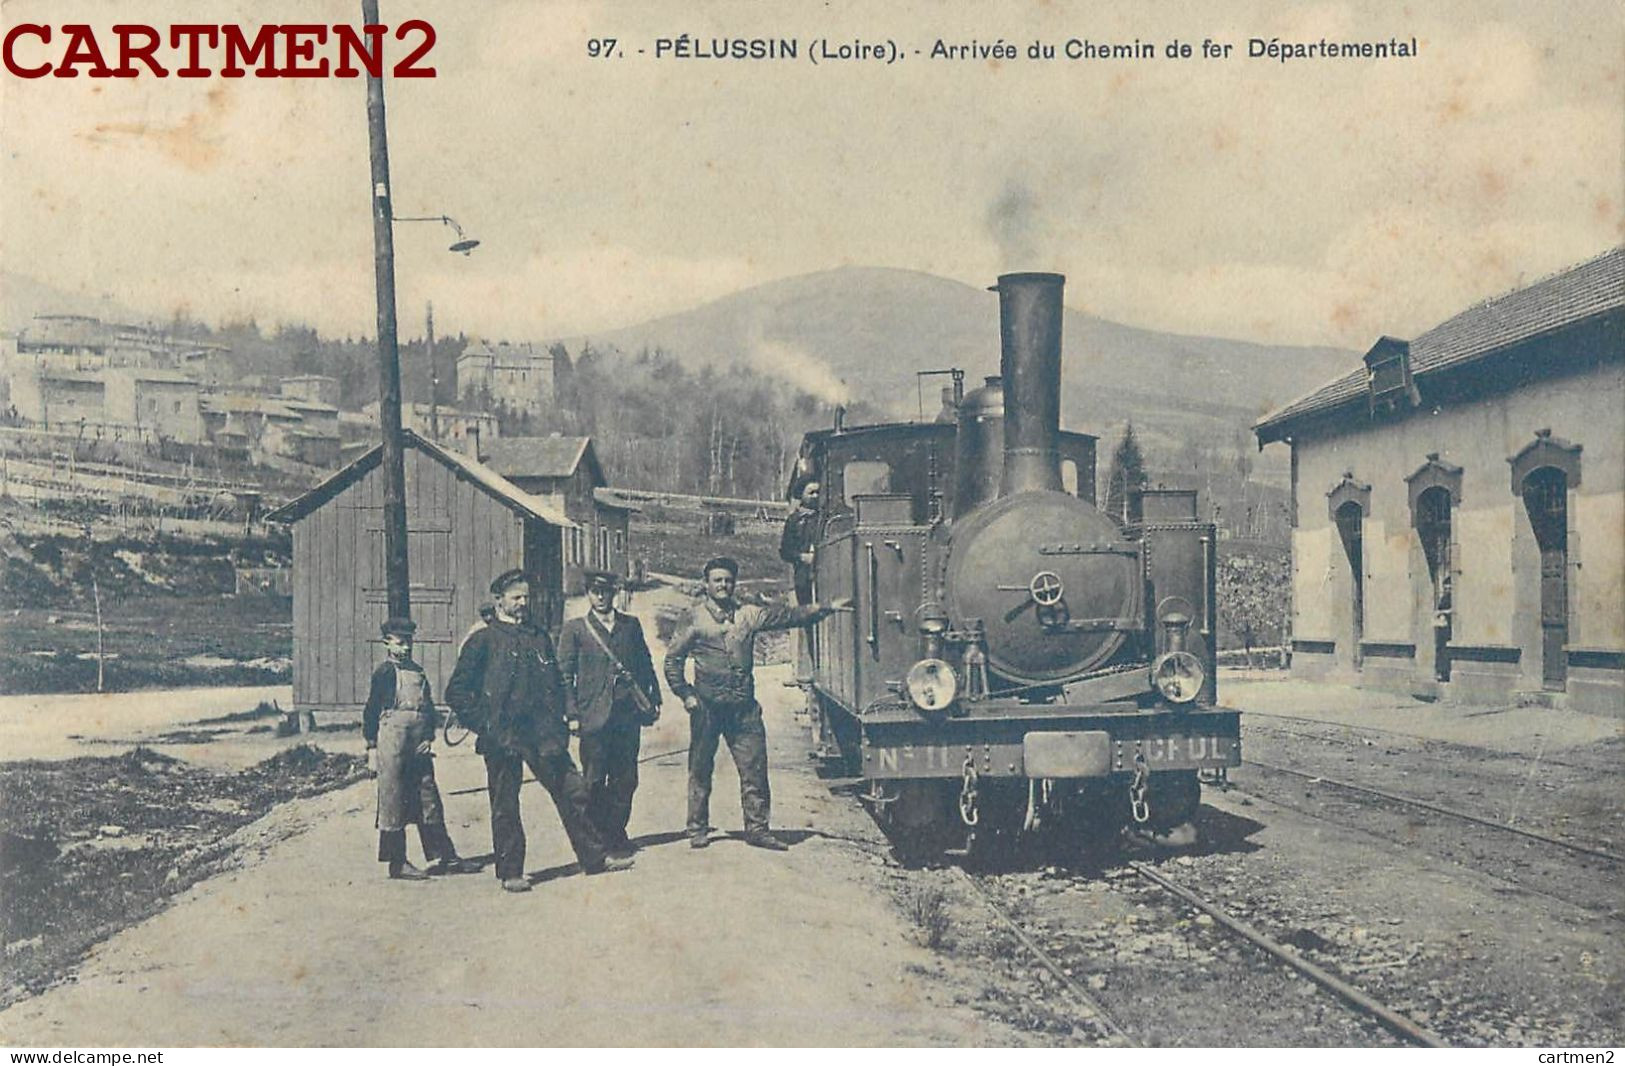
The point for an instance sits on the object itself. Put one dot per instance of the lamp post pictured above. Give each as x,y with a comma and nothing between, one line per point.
397,576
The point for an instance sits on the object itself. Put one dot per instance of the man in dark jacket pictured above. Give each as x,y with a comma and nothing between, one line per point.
721,702
398,724
611,690
799,538
507,690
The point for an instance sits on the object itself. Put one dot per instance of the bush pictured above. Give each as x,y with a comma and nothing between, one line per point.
927,909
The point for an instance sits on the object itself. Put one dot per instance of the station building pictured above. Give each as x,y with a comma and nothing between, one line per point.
1459,503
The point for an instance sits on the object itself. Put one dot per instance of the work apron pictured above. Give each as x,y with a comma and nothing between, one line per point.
401,769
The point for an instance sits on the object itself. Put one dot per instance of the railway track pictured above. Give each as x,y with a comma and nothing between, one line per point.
1094,1012
1394,1021
1268,721
1098,1014
1434,808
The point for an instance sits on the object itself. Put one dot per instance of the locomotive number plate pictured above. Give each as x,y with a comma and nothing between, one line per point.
1058,755
1188,751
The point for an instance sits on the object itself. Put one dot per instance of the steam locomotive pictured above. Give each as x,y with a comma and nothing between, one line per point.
1019,663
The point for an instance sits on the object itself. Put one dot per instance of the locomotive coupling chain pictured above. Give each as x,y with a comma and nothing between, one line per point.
1136,791
969,794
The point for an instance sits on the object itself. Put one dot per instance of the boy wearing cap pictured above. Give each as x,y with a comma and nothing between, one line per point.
612,693
721,701
507,690
398,723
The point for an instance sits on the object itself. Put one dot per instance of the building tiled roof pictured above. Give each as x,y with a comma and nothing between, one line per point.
1581,292
488,480
536,456
505,354
158,375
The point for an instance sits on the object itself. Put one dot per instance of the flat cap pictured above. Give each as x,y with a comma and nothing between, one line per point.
398,627
601,579
507,579
721,562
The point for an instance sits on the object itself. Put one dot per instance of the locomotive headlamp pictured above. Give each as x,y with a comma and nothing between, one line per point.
1178,675
932,684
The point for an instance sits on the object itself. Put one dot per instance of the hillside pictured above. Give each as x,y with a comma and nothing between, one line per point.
863,331
22,297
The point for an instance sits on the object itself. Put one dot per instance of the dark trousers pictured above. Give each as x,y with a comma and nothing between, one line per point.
804,636
741,726
437,845
504,770
609,762
422,807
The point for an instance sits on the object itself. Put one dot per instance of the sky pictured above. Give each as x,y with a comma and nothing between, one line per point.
1311,202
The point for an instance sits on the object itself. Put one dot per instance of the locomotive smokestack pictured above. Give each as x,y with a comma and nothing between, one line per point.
1030,363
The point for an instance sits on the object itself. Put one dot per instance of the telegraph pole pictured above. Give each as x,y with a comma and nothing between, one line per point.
396,573
434,379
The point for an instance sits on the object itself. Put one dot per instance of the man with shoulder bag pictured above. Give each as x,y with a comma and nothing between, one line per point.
612,693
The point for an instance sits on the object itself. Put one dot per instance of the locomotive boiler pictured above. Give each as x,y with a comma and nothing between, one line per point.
1019,662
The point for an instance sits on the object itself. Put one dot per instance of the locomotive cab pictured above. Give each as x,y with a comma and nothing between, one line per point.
1017,660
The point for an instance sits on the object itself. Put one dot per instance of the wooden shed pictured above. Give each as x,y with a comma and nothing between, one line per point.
465,525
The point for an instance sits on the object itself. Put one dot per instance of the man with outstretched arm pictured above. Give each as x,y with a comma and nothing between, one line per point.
721,702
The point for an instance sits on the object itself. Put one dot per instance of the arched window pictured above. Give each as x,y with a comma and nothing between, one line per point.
1546,498
1432,514
1350,519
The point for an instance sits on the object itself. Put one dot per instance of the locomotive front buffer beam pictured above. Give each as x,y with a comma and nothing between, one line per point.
1047,749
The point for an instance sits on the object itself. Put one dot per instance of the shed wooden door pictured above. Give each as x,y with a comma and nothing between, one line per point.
432,590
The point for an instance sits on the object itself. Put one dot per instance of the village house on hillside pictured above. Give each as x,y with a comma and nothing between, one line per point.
521,377
465,525
266,429
320,388
566,471
1459,503
78,373
452,427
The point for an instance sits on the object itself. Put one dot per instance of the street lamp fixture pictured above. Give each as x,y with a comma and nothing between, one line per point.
464,243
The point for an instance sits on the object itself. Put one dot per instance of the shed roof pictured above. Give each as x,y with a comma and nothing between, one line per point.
483,477
541,456
1570,296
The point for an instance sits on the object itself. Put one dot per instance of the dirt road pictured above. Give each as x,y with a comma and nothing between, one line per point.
309,944
49,726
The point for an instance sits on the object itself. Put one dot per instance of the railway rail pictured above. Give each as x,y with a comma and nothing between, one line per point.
1409,801
1393,1020
1256,718
1095,1012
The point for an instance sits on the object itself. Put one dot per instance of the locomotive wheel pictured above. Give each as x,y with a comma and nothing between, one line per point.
1174,797
1093,821
994,840
920,819
835,740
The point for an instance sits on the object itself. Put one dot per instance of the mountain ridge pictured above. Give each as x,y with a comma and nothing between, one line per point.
863,331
